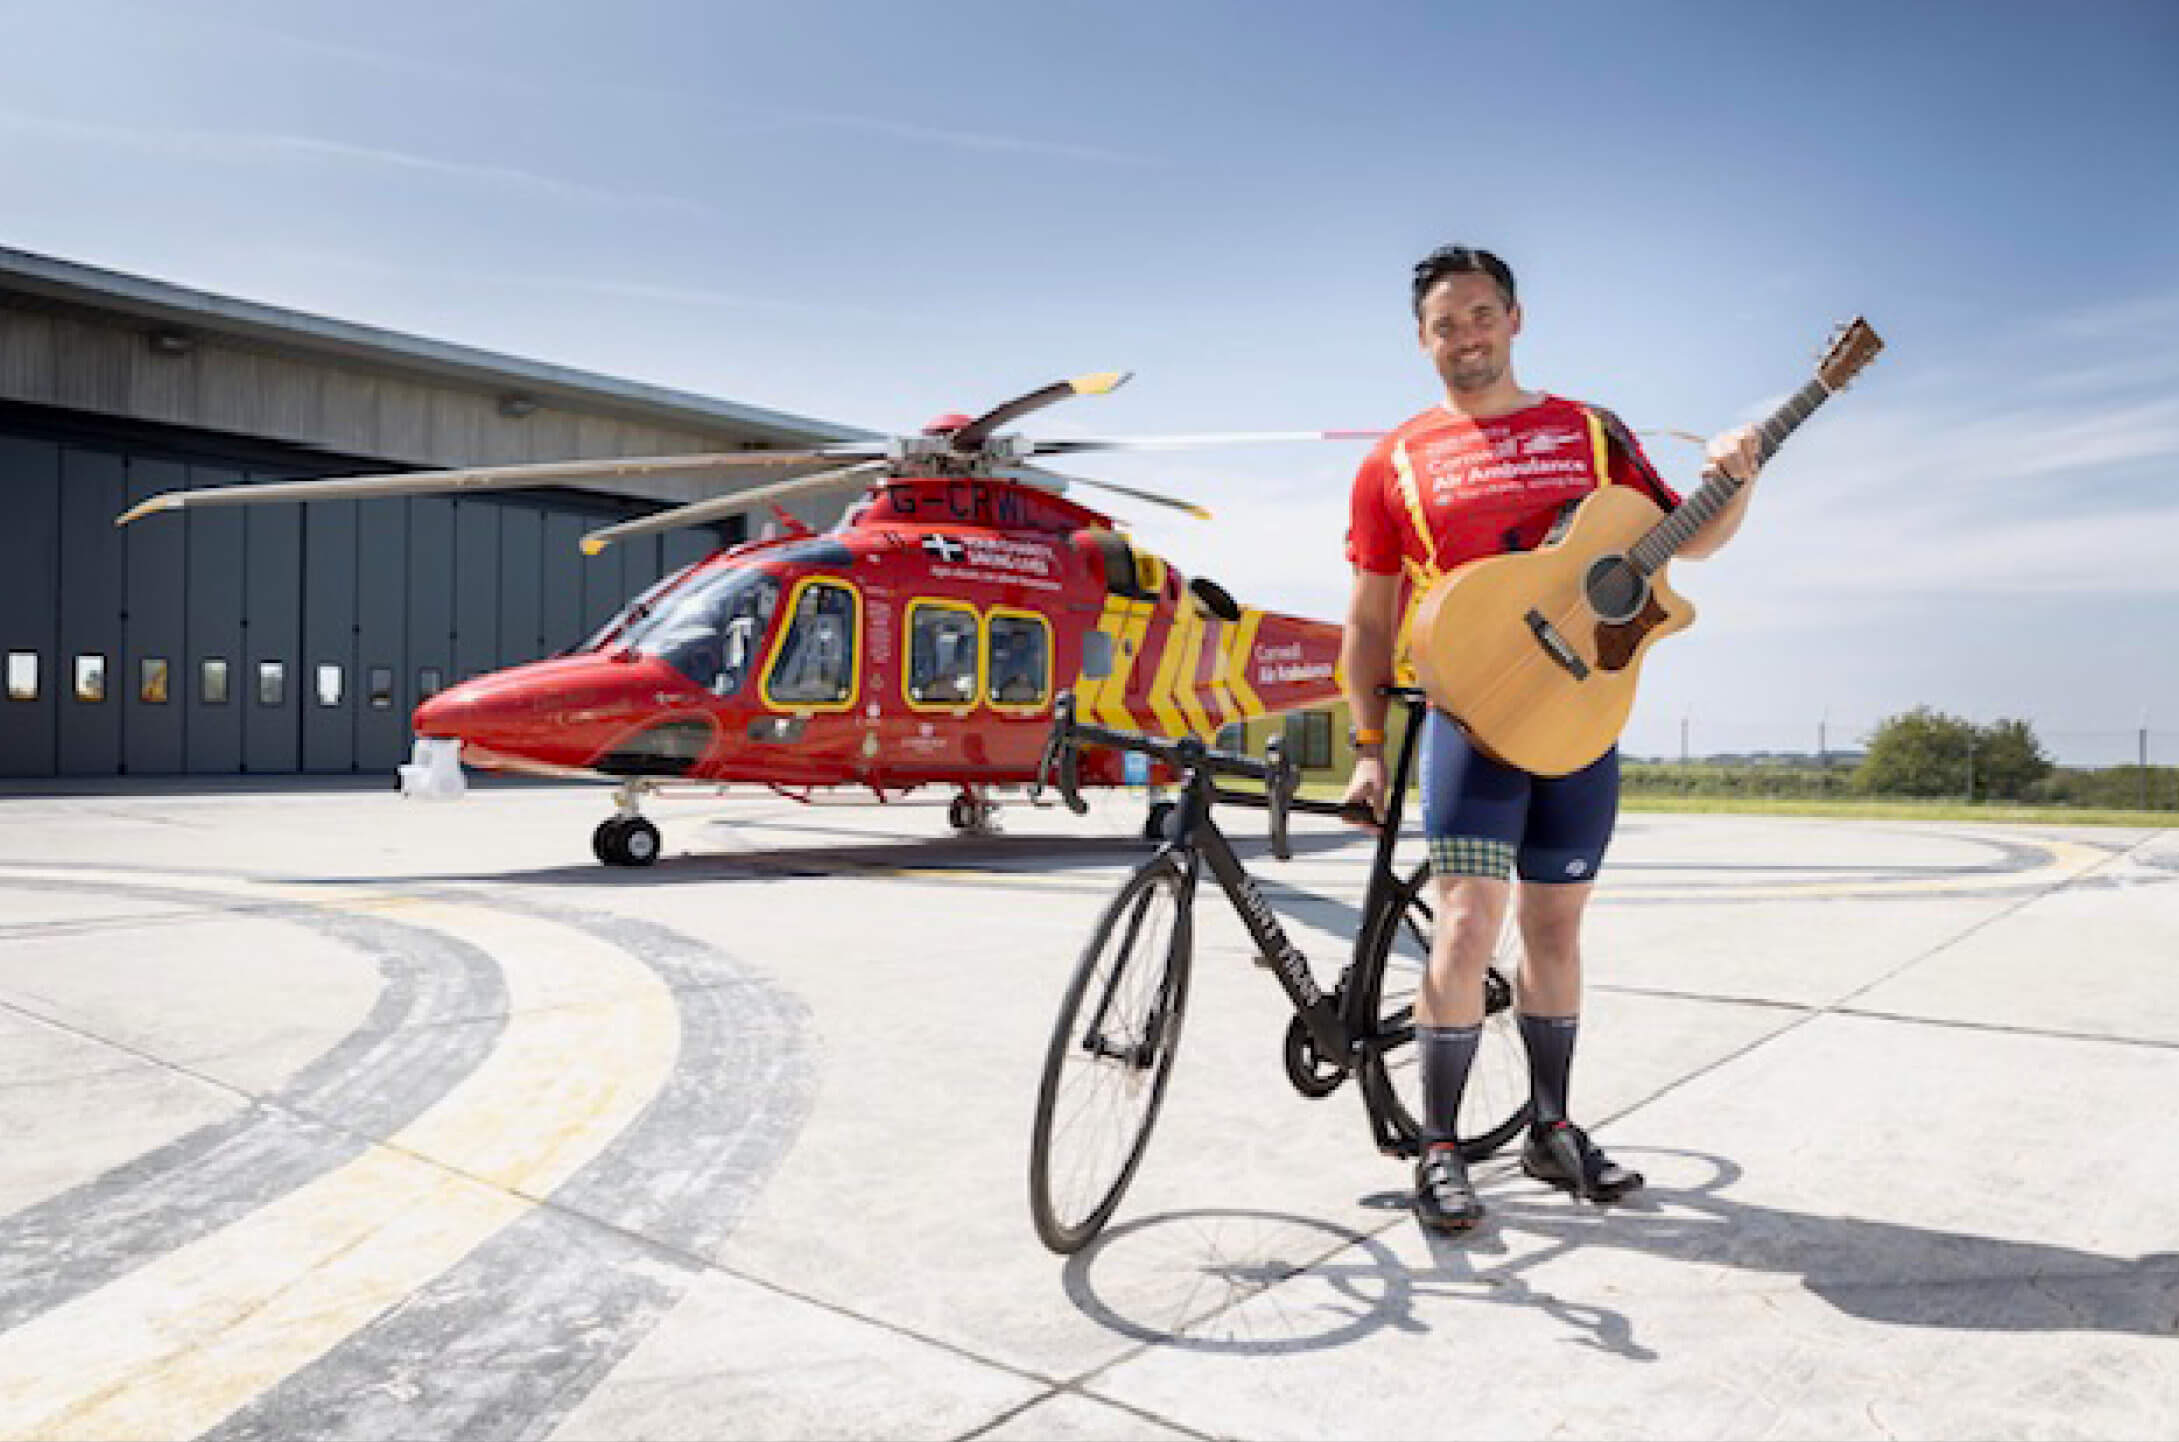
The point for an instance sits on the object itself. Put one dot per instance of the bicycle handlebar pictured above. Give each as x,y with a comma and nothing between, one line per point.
1279,776
1062,756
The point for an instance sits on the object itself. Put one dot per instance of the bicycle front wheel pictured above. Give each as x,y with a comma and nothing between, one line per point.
1110,1057
1496,1104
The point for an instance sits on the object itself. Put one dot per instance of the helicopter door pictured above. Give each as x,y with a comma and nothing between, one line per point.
813,666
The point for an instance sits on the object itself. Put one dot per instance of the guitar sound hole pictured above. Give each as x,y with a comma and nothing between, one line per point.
1615,588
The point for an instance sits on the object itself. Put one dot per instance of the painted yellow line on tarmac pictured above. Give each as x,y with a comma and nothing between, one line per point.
184,1341
2063,861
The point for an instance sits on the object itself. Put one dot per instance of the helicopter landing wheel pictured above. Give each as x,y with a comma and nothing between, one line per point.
972,815
625,841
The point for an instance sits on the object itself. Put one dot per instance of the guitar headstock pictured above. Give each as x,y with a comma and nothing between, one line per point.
1852,346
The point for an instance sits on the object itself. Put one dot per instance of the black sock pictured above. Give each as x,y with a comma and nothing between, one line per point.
1550,1043
1443,1056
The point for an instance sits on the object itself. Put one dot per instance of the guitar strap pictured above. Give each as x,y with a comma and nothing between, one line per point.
1602,437
1600,443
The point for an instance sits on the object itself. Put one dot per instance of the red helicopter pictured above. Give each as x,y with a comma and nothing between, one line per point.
923,641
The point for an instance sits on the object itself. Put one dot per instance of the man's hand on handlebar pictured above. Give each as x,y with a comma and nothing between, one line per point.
1364,802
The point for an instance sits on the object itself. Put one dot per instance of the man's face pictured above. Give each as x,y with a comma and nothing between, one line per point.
1467,331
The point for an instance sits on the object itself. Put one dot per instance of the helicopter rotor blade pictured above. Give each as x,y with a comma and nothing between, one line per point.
977,431
1075,446
1037,475
696,513
488,478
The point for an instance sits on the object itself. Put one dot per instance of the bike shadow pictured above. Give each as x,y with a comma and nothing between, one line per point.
1878,1271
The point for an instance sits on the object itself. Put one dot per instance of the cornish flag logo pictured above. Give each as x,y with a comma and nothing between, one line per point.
945,548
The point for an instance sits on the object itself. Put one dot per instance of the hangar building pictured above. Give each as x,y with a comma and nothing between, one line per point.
297,638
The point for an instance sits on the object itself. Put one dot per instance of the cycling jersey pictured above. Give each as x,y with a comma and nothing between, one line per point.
1445,488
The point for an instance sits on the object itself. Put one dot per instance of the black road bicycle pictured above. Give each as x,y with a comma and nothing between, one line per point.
1118,1030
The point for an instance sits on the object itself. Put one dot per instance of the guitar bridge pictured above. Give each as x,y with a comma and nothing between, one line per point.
1556,646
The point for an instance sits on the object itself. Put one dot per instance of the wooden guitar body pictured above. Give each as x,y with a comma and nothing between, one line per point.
1536,654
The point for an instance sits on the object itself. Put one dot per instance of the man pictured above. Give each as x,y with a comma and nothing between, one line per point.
1492,470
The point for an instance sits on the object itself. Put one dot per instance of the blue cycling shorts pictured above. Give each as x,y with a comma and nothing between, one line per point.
1484,818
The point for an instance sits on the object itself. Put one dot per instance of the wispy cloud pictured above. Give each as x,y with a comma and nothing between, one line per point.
2046,462
745,120
677,295
244,147
972,140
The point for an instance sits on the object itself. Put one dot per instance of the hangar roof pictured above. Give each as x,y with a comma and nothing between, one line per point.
191,315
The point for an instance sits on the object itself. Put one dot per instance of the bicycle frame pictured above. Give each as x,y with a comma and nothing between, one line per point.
1357,1027
1333,1028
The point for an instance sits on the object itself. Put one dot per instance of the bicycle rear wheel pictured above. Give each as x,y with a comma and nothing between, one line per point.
1110,1057
1496,1104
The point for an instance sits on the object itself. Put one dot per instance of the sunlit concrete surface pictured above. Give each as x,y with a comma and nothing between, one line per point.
328,1114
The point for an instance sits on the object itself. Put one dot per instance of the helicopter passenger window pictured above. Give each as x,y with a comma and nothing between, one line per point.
942,641
1021,660
816,657
710,629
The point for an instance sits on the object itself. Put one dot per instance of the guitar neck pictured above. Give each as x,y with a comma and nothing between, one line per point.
1665,539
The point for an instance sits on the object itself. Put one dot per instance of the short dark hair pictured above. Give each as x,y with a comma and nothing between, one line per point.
1460,260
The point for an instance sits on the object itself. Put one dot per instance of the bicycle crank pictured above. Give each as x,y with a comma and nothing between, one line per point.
1313,1074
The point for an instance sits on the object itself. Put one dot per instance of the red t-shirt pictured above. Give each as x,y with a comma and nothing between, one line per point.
1483,487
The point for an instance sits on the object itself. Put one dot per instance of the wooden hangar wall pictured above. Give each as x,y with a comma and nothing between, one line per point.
286,637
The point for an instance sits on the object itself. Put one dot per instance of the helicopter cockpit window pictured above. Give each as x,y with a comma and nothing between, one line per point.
709,630
1021,660
630,617
942,641
816,663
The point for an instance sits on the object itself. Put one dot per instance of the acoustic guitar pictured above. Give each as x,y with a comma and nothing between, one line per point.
1536,654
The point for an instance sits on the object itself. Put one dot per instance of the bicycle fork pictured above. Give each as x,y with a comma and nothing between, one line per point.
1139,1053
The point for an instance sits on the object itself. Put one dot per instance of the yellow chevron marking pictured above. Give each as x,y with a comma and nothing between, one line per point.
1221,677
184,1341
1170,721
1191,666
1244,647
1089,690
1112,708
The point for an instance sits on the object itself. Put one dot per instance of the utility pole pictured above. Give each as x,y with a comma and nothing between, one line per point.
2144,758
1683,740
1970,768
1823,752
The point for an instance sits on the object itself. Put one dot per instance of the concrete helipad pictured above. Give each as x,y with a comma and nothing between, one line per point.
328,1114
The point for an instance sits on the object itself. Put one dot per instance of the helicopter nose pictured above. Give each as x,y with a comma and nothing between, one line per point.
553,714
474,710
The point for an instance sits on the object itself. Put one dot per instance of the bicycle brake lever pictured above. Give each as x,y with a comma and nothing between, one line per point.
1063,756
1360,813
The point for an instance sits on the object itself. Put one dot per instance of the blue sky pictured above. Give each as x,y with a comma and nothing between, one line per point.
876,212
